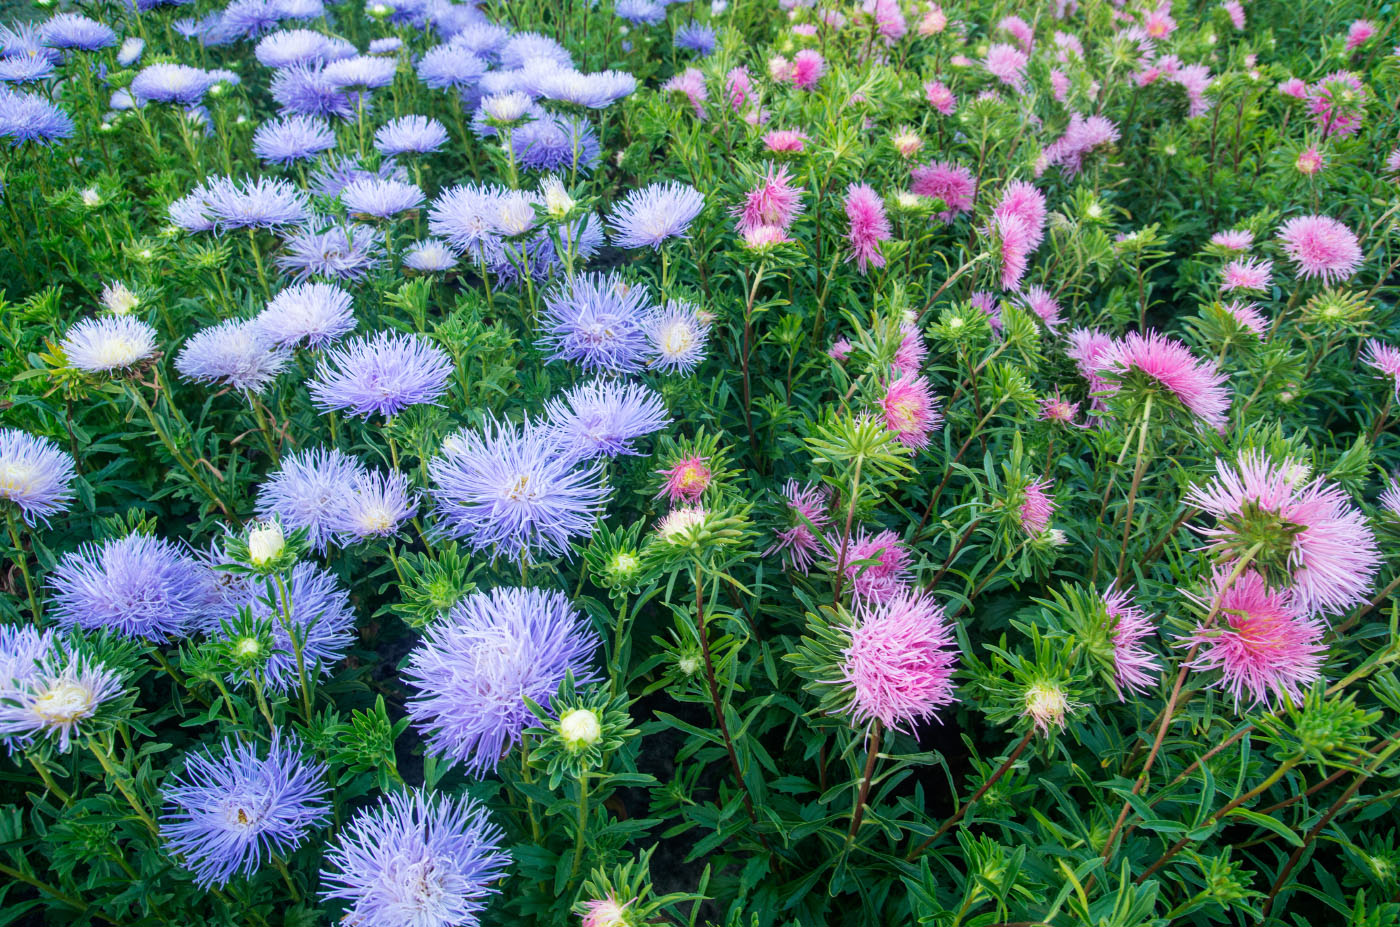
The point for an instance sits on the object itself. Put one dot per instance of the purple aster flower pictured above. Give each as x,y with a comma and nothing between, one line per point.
137,586
381,199
362,72
28,117
482,38
318,607
647,217
35,476
108,344
557,143
172,83
25,69
523,47
696,37
292,138
234,353
508,107
257,202
23,40
465,216
678,337
1136,668
410,133
306,90
384,375
388,45
508,487
192,211
130,51
642,12
429,255
300,46
474,670
63,693
598,322
335,173
71,30
23,654
416,860
309,491
595,91
377,505
448,67
228,811
341,252
603,418
314,314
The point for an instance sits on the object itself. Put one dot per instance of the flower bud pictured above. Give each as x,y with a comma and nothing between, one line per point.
265,543
580,729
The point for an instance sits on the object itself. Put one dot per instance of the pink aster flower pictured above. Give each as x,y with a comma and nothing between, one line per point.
1359,33
868,226
1312,535
1007,64
1195,79
951,183
940,97
807,68
1385,359
933,22
687,481
1024,201
1135,666
691,83
605,912
780,69
1309,161
1068,48
1037,505
1196,384
1012,238
885,575
1262,643
1059,88
1019,30
1390,496
765,237
737,86
910,354
1392,162
785,141
1246,315
889,19
1158,23
1046,704
774,202
990,306
840,349
1058,409
806,30
1233,240
907,141
1235,11
1251,274
899,664
1321,247
1040,301
910,410
1081,137
1337,103
799,544
1294,87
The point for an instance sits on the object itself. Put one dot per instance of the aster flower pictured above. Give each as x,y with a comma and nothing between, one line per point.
1337,103
1047,705
449,67
1309,161
605,912
1249,274
416,860
1007,64
940,97
774,202
72,30
361,72
556,143
1310,536
602,418
594,91
257,203
1390,496
951,183
1247,316
172,83
292,138
229,810
313,314
1359,33
910,410
35,476
318,607
410,133
690,83
868,226
1264,644
470,676
1035,508
910,354
648,217
696,37
300,46
341,252
56,700
1088,348
678,336
509,488
687,481
785,141
1042,302
800,544
310,491
383,374
1321,247
380,199
429,255
16,69
1167,364
598,322
465,216
646,12
887,575
1233,240
899,663
28,117
24,654
1058,409
1135,667
378,504
1385,360
137,586
1081,137
109,344
305,89
234,353
808,66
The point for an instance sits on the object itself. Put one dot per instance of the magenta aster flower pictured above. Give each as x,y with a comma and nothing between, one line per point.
1058,409
887,573
1337,103
1247,315
1262,643
1385,359
1309,535
1321,247
1359,33
774,202
785,141
1040,301
1390,496
1007,64
1233,240
910,410
1167,363
900,661
807,69
687,481
799,544
1135,666
1037,505
910,354
1251,274
940,97
951,183
868,225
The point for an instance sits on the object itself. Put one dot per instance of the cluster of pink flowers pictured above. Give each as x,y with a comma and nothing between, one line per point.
889,19
1018,226
1081,136
769,209
804,71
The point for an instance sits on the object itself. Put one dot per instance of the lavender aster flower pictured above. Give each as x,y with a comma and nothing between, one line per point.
109,344
335,173
429,255
228,811
362,72
416,860
473,671
465,216
300,46
556,143
258,202
482,38
647,217
62,694
381,375
35,476
341,252
306,90
137,586
410,133
381,199
234,353
506,107
523,47
678,335
71,30
595,91
314,314
319,608
172,83
696,37
377,505
191,212
388,45
642,12
23,40
309,491
603,418
24,69
28,117
598,322
131,50
23,653
448,67
292,138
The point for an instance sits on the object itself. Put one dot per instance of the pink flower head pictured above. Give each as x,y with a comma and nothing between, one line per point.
1081,137
780,69
605,912
886,576
1337,103
1233,240
1196,384
738,85
1013,240
1135,666
1235,11
687,481
1321,247
1359,33
1040,301
840,349
785,141
1247,315
799,544
1020,30
910,354
1058,409
1310,536
1262,642
765,237
990,306
1090,350
1024,201
910,410
1195,79
1007,64
1385,359
899,665
1390,496
907,141
868,225
756,116
1059,89
774,202
1309,161
1392,162
1037,505
1159,23
940,97
934,21
889,19
806,30
951,183
1294,87
1251,274
691,83
807,69
1068,48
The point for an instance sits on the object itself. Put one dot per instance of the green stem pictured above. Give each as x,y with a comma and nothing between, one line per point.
23,560
119,777
582,830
